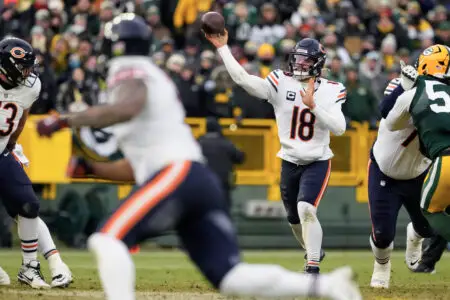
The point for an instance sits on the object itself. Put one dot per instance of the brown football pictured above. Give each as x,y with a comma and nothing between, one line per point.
213,23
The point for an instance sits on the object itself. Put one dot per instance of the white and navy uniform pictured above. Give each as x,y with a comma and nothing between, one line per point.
15,186
175,189
304,133
396,170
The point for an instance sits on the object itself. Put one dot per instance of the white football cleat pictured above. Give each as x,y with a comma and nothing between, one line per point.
31,275
4,278
339,285
413,252
381,275
61,276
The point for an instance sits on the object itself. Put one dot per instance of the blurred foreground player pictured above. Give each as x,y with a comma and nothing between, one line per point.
19,88
428,104
176,190
396,173
307,108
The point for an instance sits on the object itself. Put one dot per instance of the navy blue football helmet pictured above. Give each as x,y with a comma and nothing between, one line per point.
17,62
128,34
307,59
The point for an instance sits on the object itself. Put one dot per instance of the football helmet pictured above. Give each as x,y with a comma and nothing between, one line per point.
434,61
306,59
128,34
17,62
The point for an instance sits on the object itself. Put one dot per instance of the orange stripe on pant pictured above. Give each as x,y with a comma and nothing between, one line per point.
139,204
324,185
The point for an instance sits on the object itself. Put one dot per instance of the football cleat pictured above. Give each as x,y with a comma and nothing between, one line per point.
312,270
4,278
31,275
413,251
339,285
61,276
423,268
381,275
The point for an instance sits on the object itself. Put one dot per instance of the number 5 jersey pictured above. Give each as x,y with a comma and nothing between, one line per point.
304,133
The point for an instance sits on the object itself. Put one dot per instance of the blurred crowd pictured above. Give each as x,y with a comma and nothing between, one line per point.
364,40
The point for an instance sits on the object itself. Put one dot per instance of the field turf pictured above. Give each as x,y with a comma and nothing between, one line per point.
169,275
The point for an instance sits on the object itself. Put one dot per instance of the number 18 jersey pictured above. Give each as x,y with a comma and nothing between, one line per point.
303,137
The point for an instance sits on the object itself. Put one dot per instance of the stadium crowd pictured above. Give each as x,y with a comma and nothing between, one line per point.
364,40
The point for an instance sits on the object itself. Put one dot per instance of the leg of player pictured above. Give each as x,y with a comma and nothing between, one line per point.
61,275
187,197
419,228
432,251
4,278
384,205
21,202
313,184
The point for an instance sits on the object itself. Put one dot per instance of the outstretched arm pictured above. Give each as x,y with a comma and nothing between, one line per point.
398,118
254,85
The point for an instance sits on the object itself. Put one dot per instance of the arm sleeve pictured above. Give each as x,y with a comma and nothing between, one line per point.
391,93
254,85
398,117
333,118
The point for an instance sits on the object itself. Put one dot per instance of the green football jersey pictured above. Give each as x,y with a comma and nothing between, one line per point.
430,111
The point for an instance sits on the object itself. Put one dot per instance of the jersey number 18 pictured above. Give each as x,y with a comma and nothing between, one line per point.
302,124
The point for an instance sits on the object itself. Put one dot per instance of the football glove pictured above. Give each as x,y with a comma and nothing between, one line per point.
20,156
48,126
408,76
79,168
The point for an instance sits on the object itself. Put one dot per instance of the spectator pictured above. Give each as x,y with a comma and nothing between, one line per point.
47,97
159,31
74,95
221,155
361,105
266,59
371,74
336,72
268,30
189,92
443,33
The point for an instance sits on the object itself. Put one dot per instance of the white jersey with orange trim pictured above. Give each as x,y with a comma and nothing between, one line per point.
304,137
158,135
397,153
13,103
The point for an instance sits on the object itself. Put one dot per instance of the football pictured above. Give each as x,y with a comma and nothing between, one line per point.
213,23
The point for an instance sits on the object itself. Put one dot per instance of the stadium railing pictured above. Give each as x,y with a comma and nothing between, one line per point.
256,137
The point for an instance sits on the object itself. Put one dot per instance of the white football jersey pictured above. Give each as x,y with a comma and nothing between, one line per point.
303,137
13,102
158,136
398,152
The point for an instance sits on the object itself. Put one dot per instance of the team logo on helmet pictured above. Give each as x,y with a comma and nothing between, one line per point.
17,52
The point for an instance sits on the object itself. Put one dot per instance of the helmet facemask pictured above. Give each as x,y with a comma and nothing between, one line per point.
303,66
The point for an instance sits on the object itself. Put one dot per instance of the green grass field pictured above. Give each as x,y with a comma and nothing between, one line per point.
169,275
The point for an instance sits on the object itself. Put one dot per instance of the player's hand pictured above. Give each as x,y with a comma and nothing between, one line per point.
408,76
218,40
48,126
308,95
79,168
18,154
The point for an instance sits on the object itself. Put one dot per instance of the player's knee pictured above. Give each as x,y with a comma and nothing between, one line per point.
306,211
382,239
29,210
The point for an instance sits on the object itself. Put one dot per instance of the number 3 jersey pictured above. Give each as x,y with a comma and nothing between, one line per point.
397,153
304,133
13,102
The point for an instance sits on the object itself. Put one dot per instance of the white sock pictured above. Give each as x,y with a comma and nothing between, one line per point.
267,281
312,232
28,234
46,245
115,266
298,233
382,256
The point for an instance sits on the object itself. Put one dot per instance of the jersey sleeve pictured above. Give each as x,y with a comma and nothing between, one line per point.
393,84
254,85
332,115
274,79
124,74
35,90
398,117
391,93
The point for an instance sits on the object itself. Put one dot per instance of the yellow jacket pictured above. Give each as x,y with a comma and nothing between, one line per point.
188,10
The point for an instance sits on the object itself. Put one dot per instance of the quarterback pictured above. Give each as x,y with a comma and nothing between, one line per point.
307,108
428,104
176,190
